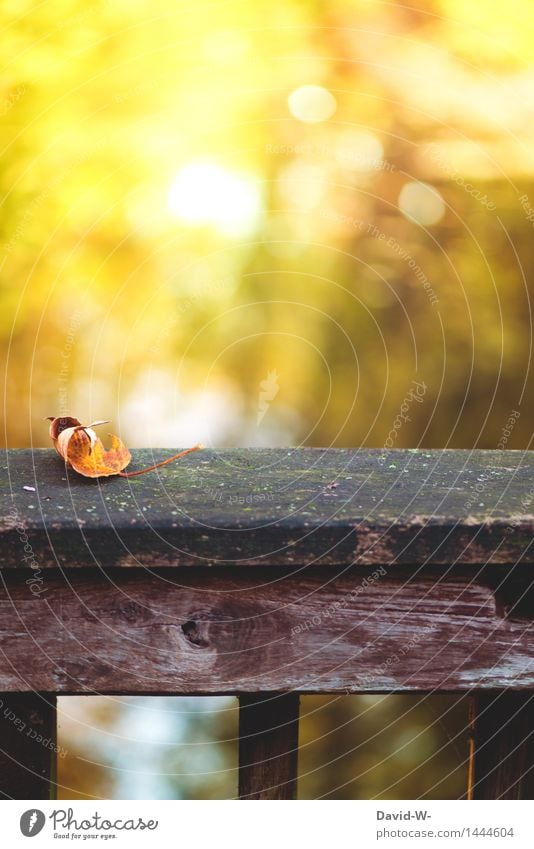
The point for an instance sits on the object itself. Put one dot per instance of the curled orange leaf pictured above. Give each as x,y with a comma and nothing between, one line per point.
81,448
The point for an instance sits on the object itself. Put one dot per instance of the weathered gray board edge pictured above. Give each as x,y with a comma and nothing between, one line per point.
306,506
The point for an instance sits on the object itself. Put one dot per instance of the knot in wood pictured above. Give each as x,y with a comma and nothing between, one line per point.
192,632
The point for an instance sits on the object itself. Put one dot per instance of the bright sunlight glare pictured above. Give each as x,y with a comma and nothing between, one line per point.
207,193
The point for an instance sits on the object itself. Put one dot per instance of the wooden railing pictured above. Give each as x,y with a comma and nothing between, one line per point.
267,574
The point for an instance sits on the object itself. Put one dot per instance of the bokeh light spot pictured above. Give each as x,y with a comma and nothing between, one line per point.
312,104
207,193
421,203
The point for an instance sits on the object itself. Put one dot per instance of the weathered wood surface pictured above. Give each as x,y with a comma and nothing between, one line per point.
502,746
268,746
294,506
28,745
265,630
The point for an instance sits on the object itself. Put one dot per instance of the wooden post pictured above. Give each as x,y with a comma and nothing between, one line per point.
28,745
268,746
501,764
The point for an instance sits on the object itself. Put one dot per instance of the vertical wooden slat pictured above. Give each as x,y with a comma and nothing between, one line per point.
502,746
28,745
268,746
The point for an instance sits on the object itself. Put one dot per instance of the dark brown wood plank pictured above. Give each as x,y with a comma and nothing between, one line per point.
502,746
263,630
268,746
288,507
28,745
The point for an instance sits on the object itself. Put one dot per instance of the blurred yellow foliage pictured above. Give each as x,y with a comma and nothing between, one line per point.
177,203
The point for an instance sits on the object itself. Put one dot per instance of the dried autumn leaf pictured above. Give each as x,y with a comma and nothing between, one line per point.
59,424
84,451
81,448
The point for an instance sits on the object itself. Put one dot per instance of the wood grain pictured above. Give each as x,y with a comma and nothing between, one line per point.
291,507
268,746
262,630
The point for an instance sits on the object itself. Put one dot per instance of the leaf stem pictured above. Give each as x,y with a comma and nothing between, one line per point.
163,462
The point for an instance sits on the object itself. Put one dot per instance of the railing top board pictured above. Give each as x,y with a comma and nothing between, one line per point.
290,507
